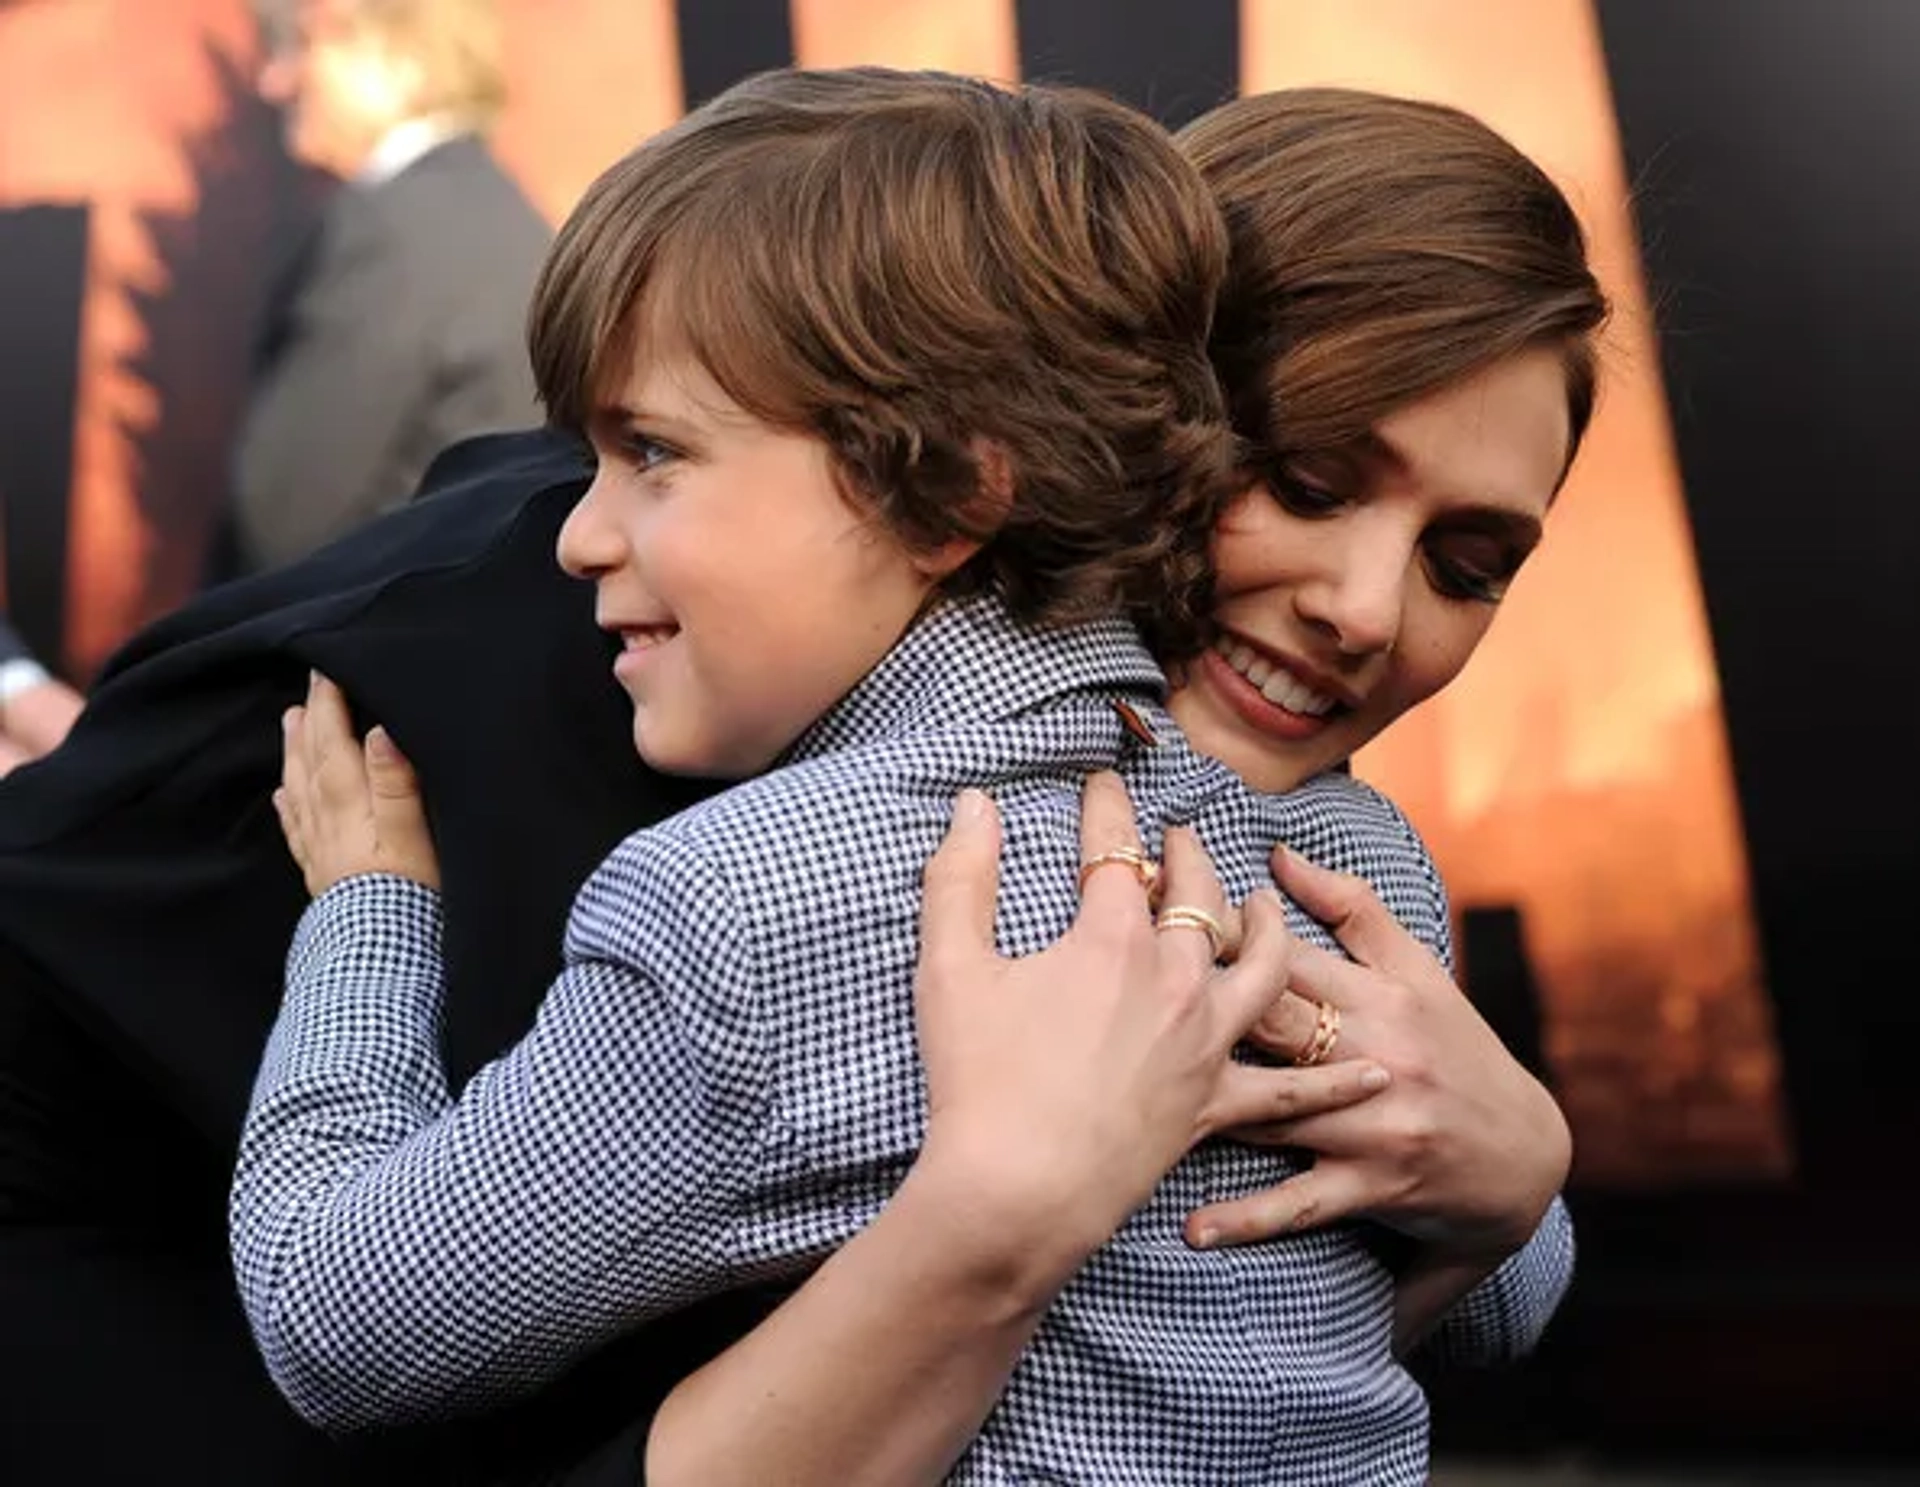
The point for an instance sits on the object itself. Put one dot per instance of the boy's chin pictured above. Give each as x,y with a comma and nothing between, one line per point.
661,750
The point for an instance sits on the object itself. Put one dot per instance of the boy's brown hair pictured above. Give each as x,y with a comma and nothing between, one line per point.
1382,249
991,304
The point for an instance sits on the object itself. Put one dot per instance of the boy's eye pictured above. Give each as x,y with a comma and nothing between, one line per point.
646,454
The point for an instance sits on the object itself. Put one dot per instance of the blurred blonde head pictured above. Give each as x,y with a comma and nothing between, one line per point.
347,71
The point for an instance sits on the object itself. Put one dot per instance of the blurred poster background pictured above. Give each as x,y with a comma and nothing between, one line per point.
1672,796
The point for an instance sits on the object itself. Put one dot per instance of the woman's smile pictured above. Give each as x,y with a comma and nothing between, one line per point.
1267,697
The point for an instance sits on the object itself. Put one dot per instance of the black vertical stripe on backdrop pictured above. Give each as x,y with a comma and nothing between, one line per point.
1175,60
722,41
44,250
1775,151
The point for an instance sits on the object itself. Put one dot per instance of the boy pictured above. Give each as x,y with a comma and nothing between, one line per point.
899,390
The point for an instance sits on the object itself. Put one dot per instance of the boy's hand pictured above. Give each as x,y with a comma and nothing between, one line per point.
347,808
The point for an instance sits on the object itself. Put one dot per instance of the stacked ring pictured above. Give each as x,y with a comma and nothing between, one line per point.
1188,916
1326,1032
1144,867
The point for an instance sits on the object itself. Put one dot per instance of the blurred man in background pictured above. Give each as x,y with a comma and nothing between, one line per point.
403,332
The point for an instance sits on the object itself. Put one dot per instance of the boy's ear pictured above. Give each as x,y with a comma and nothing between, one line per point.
993,498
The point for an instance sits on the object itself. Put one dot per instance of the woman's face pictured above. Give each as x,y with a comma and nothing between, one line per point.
1359,583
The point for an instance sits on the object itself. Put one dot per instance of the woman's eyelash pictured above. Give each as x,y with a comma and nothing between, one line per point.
1304,498
1458,580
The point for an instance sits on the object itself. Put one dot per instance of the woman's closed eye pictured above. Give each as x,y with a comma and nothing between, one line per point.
1471,565
1312,491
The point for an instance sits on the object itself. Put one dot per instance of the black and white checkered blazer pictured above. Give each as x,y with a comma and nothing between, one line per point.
722,1086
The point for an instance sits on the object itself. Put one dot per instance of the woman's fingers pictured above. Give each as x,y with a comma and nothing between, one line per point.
1250,1101
1349,909
1193,906
1325,1193
1288,1025
961,886
1245,989
1316,975
1116,874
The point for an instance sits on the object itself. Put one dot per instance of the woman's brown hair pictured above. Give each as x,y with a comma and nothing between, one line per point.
991,304
1381,250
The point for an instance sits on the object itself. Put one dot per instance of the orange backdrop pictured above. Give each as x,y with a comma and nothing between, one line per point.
1579,771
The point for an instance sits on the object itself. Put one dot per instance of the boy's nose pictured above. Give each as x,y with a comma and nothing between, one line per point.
589,545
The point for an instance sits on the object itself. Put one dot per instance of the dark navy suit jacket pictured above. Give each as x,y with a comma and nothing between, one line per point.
146,904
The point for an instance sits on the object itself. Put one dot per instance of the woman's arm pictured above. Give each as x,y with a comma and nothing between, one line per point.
1062,1087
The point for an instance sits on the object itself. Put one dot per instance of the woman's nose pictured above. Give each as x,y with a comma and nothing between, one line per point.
1360,600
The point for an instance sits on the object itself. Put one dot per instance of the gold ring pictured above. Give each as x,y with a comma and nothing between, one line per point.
1187,916
1326,1033
1144,867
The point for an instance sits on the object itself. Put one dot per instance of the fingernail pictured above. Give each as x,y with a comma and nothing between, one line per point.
970,809
1375,1078
1205,1237
379,745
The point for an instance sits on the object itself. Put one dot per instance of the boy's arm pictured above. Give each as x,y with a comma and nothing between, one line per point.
1469,1312
404,1255
1456,1313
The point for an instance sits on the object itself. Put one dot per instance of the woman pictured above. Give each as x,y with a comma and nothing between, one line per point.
1404,288
1411,421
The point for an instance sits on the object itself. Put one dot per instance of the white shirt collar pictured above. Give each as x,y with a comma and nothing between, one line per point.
405,143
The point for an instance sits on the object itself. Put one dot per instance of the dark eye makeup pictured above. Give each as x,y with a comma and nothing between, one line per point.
1471,555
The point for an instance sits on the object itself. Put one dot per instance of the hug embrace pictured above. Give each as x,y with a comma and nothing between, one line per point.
1010,501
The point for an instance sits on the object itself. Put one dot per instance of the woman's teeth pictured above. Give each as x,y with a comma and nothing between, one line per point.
1278,685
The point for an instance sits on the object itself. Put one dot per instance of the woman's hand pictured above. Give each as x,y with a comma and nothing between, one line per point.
1061,1088
1463,1152
1065,1084
347,808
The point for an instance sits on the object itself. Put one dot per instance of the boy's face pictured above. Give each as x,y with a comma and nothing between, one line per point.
748,593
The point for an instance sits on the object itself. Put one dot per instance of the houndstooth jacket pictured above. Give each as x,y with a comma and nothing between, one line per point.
722,1086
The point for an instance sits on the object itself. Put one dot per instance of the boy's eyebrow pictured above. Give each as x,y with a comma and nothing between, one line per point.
618,415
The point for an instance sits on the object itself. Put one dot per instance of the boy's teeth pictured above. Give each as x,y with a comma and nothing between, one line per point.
1278,685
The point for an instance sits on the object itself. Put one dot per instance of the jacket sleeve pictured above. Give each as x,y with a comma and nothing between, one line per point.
1501,1320
402,1254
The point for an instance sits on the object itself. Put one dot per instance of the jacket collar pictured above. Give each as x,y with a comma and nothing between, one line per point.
969,661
